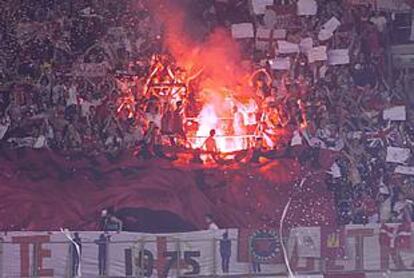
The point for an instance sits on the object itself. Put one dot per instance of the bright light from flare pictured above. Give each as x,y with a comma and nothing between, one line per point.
230,132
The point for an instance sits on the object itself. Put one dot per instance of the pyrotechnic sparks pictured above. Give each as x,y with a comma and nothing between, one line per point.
227,97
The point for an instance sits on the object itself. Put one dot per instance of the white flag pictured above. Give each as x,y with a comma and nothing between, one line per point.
331,25
296,139
280,63
338,57
328,29
404,170
259,6
306,44
286,47
317,54
398,155
396,113
307,7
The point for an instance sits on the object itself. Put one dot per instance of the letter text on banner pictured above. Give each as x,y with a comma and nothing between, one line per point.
359,236
36,242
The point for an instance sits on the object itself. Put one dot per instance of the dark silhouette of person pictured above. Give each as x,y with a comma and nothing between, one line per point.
255,261
109,222
75,255
102,243
225,252
256,267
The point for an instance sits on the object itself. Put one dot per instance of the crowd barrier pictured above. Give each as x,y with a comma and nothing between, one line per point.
352,251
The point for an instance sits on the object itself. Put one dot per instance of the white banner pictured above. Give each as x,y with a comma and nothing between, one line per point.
206,253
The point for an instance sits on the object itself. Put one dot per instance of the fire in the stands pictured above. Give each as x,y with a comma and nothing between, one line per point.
212,88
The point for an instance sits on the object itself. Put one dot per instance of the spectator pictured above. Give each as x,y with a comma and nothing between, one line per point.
384,200
76,257
402,208
225,252
74,79
102,243
210,222
109,222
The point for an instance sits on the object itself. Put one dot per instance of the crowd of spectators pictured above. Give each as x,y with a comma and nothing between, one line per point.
61,63
65,67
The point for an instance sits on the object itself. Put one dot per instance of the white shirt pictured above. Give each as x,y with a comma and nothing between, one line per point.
213,226
296,139
380,22
40,142
385,210
86,105
399,208
155,118
72,96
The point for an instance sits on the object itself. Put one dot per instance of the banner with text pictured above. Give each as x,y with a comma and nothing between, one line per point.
351,249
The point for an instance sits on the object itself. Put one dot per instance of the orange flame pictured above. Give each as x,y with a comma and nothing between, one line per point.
224,82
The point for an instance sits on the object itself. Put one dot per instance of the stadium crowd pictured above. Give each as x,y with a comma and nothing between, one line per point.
64,67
